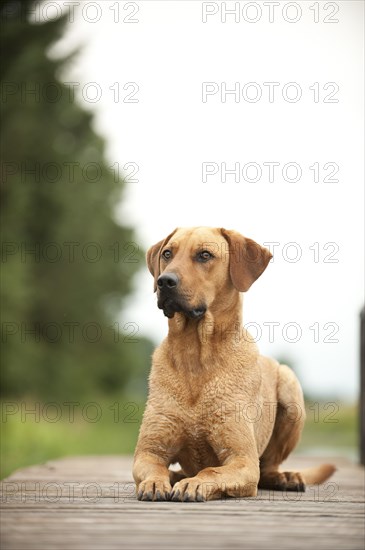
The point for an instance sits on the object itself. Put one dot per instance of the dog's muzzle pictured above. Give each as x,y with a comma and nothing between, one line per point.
171,302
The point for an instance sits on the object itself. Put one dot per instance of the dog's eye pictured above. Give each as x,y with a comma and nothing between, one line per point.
167,254
204,256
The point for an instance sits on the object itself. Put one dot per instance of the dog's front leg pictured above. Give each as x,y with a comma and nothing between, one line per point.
152,476
239,478
158,442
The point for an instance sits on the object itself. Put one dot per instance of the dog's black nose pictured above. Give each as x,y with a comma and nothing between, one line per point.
167,281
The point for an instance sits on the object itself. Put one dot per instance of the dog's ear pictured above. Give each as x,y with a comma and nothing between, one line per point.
153,258
247,259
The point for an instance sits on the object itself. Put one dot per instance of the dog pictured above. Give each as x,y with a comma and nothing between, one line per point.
227,415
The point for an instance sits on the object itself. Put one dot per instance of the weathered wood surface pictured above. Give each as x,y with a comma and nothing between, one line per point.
89,503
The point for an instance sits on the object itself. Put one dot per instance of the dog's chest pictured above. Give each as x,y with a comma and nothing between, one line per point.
203,422
196,452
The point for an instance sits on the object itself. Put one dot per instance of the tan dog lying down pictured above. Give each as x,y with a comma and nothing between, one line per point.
226,414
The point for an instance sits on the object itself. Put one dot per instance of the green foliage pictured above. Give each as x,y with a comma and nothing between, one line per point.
66,263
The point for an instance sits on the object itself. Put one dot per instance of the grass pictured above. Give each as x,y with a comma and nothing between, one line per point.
104,428
331,427
111,427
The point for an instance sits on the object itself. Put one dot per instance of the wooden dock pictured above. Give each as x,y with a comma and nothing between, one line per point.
89,503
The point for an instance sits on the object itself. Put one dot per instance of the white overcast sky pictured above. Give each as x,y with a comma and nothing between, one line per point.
169,52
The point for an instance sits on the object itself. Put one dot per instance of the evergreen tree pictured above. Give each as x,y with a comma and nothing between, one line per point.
67,264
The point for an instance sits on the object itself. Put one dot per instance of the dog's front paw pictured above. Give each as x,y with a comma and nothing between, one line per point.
190,489
154,489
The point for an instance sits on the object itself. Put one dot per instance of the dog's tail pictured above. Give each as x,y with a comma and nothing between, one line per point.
318,474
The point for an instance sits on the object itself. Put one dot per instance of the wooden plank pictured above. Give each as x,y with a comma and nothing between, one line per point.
40,511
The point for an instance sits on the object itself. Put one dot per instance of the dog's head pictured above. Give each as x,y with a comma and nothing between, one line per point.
197,268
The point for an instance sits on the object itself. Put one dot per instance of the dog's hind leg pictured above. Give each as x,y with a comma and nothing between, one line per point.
288,426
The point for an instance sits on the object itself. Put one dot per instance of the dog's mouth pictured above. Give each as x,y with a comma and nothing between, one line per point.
170,307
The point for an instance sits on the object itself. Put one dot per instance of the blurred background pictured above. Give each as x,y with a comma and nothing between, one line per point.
104,139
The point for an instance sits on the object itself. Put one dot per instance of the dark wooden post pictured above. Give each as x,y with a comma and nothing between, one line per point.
362,386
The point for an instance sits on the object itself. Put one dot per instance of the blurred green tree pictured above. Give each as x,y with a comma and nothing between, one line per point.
67,264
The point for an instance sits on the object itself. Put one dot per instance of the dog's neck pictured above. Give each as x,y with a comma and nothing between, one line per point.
199,341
